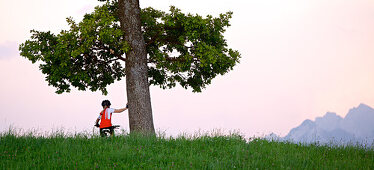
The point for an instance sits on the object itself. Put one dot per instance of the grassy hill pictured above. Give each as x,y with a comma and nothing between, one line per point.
204,152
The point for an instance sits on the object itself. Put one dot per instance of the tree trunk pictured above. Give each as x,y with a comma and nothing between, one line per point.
138,95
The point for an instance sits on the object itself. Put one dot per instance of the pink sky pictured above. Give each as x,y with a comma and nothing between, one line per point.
300,59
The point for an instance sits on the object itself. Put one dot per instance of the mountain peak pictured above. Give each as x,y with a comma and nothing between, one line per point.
356,126
361,109
359,121
331,115
362,105
307,122
329,121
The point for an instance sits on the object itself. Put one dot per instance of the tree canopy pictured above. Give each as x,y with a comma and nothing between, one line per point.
184,49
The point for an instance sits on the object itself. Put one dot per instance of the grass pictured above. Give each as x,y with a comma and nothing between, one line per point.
133,151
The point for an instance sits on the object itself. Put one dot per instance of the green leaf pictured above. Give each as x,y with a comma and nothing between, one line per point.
184,49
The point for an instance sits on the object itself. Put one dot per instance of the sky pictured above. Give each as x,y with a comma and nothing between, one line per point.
300,59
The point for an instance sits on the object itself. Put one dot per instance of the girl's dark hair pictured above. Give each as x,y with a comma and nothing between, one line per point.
105,103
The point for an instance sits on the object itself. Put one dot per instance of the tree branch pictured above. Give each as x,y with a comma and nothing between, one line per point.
173,59
121,58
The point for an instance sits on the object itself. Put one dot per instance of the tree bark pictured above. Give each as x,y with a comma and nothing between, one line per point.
137,86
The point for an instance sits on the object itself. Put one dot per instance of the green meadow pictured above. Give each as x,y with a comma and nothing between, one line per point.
133,151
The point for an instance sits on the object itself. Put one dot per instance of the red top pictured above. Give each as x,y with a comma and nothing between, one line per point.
106,119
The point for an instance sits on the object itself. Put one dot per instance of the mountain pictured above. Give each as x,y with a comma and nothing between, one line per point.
360,121
357,127
329,122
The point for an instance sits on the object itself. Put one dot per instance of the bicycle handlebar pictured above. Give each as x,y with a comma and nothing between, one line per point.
113,126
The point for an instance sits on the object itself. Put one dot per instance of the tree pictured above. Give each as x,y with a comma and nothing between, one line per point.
158,48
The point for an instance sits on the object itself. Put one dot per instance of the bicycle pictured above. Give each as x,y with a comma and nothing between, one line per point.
108,131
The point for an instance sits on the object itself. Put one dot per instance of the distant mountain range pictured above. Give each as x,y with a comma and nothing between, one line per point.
357,127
